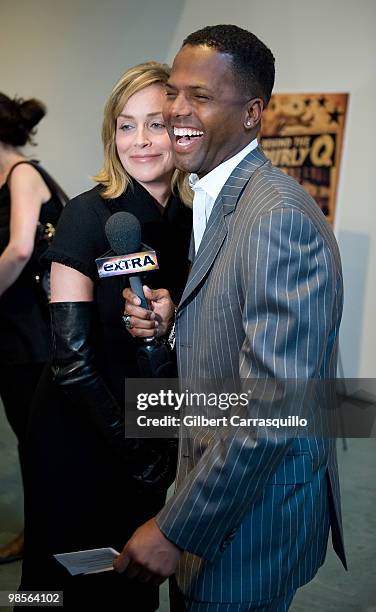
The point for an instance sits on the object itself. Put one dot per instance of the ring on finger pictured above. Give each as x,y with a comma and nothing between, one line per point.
127,321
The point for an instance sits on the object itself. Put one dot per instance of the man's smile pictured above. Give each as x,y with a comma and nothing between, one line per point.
186,137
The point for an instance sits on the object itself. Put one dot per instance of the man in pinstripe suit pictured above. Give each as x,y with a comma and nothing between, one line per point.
249,520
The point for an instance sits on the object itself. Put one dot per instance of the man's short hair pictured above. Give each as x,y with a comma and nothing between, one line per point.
253,62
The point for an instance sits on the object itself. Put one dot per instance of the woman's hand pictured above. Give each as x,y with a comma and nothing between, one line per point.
156,321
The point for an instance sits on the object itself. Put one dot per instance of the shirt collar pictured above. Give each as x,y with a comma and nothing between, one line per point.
213,182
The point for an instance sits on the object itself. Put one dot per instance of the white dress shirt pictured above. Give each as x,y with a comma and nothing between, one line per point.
206,190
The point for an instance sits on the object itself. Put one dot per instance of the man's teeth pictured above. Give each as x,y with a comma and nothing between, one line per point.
187,132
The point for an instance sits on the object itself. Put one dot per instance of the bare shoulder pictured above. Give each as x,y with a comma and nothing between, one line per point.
25,178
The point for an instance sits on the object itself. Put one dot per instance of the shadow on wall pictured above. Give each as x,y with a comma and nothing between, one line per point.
354,248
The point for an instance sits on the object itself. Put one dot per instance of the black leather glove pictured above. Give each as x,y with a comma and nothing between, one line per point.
151,463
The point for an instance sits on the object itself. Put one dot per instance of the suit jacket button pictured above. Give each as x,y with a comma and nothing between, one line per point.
225,542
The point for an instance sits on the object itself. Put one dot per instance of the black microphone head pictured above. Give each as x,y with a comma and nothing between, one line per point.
123,231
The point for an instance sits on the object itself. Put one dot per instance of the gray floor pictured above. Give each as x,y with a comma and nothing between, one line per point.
333,590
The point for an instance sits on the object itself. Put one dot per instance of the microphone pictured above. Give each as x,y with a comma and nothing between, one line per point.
123,232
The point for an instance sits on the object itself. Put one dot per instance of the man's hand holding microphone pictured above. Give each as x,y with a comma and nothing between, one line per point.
156,321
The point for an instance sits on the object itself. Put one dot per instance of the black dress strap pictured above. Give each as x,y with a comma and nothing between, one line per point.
24,161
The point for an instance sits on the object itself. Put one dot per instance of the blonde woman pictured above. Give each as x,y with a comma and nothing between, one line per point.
88,486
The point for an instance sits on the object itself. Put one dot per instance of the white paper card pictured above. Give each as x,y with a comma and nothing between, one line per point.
88,561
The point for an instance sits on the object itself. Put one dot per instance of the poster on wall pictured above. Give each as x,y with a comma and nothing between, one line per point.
302,134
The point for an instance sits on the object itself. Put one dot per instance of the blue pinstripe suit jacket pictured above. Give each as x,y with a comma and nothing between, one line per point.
263,299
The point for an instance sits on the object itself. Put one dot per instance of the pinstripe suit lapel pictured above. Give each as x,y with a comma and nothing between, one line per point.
216,229
213,238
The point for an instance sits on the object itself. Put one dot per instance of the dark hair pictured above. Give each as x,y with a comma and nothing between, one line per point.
18,119
252,61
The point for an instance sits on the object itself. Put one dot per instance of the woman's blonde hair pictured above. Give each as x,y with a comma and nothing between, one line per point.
113,175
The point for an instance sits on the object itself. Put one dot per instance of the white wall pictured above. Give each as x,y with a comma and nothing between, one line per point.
70,53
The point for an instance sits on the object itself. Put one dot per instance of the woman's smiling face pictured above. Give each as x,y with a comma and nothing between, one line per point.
142,142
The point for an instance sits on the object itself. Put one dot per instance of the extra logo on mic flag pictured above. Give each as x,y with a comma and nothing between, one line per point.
132,263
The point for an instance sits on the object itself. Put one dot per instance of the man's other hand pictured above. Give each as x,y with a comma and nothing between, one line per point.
148,555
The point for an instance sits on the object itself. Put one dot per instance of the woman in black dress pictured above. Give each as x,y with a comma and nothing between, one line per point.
87,485
27,204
